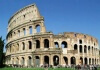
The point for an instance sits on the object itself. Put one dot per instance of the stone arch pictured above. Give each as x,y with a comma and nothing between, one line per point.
23,46
56,44
38,28
89,60
17,60
73,60
81,60
85,49
29,60
37,44
30,44
24,31
64,44
46,43
17,47
92,49
75,47
92,60
85,60
65,60
23,61
30,30
56,60
46,60
80,48
80,41
37,61
18,33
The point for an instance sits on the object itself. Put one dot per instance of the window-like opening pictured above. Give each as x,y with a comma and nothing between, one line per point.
89,48
24,16
38,28
46,43
37,44
37,61
92,61
85,49
85,60
30,29
18,33
24,30
56,60
81,60
89,60
23,48
46,60
23,61
75,47
66,60
80,48
84,36
80,41
30,44
92,49
64,44
29,61
56,44
73,60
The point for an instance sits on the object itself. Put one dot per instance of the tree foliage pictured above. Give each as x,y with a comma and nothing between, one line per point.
1,51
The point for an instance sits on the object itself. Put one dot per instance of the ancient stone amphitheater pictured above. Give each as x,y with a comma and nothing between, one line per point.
28,46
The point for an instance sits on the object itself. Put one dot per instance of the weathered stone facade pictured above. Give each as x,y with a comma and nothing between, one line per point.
25,46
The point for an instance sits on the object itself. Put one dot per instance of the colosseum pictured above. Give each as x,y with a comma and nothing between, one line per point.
29,46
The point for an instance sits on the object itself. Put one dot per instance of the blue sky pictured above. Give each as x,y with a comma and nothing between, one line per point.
82,16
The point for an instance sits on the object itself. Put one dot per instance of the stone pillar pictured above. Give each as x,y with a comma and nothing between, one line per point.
87,60
51,59
27,30
41,59
69,59
41,43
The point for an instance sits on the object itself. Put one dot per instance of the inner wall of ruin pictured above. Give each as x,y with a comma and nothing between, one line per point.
29,46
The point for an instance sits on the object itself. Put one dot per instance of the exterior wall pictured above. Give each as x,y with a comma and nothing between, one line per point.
25,45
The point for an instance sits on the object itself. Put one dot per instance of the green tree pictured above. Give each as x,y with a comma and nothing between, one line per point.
1,51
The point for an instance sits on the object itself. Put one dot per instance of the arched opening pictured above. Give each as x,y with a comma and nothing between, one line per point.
73,60
85,49
95,60
92,49
81,60
18,33
30,44
46,60
23,61
24,30
23,47
37,44
38,28
29,61
80,41
46,43
64,44
92,61
17,48
56,60
85,60
17,61
75,47
65,60
13,61
80,48
89,48
89,60
56,44
37,61
30,29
